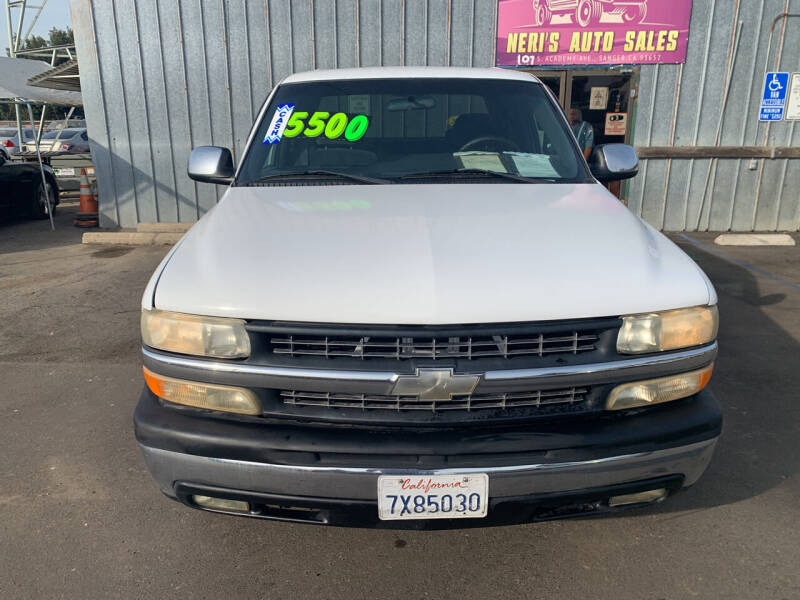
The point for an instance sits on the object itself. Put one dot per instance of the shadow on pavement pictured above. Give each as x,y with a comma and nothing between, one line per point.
21,235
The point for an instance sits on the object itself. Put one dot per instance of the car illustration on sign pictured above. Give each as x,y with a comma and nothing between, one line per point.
588,12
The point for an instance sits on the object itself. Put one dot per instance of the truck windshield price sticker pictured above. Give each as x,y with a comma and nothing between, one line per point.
332,126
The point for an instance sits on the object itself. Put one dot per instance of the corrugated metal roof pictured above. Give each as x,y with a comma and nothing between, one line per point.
65,76
14,76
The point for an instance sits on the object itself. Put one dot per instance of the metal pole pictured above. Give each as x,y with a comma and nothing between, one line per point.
19,25
12,41
52,64
10,34
41,170
60,131
38,133
35,17
19,126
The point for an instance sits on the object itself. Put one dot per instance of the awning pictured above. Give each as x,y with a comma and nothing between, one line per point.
14,76
62,77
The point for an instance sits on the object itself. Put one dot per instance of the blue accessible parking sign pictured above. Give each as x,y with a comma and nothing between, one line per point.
774,98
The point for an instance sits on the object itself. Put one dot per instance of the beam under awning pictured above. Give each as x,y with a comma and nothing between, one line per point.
65,76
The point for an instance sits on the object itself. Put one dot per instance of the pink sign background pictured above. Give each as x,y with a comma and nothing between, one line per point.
570,32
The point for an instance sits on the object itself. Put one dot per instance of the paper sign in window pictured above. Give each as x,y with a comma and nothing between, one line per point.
598,100
532,165
616,123
489,161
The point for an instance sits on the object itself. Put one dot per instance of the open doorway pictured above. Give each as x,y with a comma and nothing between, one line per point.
605,101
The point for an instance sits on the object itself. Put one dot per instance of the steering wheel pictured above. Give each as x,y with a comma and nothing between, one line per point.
510,145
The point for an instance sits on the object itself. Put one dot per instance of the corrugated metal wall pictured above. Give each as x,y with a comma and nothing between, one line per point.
162,76
669,193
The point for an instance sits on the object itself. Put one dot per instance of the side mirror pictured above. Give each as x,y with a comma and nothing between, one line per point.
612,162
211,164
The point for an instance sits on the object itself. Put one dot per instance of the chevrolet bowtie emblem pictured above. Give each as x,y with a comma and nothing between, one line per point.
435,384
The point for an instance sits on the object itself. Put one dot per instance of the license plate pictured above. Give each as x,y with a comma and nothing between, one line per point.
433,496
65,172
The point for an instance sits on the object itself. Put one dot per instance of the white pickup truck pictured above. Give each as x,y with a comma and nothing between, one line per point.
417,306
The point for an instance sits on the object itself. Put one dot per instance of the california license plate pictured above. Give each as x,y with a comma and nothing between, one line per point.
64,172
433,496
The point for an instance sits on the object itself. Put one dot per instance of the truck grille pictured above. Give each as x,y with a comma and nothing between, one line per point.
404,349
468,347
565,400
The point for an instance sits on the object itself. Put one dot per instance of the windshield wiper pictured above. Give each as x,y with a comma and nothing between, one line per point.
350,176
464,171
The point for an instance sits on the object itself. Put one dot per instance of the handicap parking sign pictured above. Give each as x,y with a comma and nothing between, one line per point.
773,100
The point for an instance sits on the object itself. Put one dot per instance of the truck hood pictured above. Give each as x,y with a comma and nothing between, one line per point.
425,254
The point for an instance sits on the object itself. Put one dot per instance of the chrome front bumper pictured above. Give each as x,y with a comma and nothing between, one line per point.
334,470
169,468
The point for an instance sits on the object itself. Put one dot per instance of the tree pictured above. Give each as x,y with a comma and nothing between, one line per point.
34,41
59,37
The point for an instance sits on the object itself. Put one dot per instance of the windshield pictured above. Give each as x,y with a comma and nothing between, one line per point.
65,133
10,133
410,129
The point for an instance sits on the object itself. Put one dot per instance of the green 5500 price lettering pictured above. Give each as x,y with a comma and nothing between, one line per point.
333,126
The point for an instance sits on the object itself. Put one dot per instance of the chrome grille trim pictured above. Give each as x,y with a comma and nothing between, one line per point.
704,355
438,347
566,398
242,373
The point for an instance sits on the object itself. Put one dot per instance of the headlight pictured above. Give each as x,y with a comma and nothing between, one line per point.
203,395
191,334
656,391
668,330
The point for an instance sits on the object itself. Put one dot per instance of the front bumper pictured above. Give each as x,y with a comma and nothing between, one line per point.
329,474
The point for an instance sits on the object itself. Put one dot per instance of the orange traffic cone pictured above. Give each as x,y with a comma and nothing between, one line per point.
87,210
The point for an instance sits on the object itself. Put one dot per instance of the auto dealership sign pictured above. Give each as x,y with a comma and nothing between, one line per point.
591,32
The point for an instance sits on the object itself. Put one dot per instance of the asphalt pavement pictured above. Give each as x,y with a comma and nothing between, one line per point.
80,517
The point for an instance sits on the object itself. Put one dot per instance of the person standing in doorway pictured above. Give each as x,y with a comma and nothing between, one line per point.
582,131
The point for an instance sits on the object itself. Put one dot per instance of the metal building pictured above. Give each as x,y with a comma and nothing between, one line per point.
161,77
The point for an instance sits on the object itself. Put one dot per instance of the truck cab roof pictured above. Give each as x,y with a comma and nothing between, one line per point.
409,73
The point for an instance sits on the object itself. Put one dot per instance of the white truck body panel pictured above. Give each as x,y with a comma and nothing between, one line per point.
425,254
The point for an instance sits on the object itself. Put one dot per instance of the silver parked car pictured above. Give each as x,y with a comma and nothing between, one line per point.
9,138
73,140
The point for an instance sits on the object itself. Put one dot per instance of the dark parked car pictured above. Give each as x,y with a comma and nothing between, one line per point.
23,192
588,12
